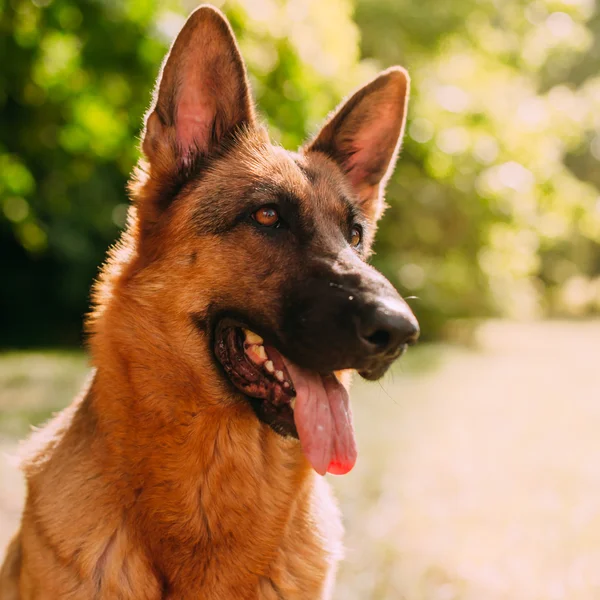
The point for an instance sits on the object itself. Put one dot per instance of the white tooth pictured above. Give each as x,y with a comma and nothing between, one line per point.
260,352
269,366
286,384
252,338
279,375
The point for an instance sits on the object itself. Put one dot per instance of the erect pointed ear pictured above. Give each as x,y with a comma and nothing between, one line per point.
201,96
363,136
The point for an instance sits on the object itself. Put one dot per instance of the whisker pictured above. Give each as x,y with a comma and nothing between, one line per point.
386,392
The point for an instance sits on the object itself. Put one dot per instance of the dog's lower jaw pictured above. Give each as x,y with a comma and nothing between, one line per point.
178,498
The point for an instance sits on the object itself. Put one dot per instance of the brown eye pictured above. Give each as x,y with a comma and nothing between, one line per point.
356,236
266,216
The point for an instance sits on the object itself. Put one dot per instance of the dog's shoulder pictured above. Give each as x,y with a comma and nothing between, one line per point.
74,541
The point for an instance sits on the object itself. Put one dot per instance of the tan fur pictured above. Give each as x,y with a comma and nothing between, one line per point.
159,482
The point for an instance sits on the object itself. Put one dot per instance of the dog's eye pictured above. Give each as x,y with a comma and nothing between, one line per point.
266,216
356,236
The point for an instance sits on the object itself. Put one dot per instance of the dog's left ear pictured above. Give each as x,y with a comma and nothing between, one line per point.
201,97
363,136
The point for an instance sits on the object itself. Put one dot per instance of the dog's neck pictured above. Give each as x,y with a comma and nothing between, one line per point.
207,485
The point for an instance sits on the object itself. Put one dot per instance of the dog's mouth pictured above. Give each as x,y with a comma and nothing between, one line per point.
313,407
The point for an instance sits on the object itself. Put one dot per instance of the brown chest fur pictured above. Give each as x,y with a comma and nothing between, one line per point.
210,507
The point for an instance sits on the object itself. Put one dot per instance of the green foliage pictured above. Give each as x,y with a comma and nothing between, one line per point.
495,197
493,207
73,86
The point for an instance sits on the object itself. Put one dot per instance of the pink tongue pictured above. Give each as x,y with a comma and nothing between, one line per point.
323,420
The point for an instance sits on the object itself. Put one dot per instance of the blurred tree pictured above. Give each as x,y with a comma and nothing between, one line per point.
73,85
495,198
493,208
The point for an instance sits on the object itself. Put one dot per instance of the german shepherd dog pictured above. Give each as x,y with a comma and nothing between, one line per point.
226,323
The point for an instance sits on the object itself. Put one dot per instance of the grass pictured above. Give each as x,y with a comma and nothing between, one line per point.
33,385
478,474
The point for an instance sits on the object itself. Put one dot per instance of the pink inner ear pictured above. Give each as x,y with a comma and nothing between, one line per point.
196,112
372,147
357,172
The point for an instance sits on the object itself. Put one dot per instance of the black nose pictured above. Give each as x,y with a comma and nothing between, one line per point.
385,328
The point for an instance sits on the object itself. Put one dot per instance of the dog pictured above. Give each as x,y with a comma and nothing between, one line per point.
225,326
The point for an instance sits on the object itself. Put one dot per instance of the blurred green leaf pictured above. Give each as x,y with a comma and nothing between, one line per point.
493,207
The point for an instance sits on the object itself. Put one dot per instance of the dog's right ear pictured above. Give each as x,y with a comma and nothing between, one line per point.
201,97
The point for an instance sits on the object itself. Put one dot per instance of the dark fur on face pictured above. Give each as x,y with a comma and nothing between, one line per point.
210,166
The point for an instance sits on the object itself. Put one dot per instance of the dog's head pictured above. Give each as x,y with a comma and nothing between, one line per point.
265,250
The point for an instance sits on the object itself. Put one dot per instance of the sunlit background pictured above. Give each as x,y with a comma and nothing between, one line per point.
479,466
